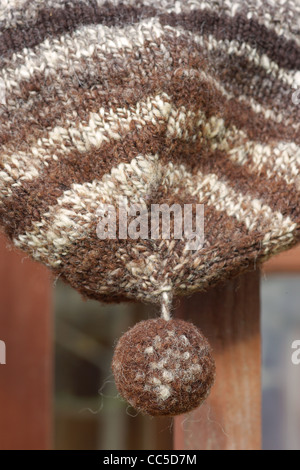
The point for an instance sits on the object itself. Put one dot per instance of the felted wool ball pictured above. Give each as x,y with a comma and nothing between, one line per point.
163,367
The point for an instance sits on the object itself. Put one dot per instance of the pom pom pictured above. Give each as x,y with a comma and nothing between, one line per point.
163,367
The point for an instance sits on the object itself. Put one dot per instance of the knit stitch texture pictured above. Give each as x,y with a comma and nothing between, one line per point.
162,102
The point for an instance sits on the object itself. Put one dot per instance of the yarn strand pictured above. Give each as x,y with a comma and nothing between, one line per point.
166,306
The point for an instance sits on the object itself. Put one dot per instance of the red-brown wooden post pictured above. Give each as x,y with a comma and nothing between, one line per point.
26,329
231,416
286,262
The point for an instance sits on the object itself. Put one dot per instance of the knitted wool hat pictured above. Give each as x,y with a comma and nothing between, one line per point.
160,102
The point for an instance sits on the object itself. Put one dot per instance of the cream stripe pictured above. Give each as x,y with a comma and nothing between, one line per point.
291,78
71,218
282,158
63,53
27,106
74,215
254,213
9,8
18,12
268,113
103,126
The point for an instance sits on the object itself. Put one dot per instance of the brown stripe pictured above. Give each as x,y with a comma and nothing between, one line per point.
39,194
284,52
99,257
98,89
196,94
241,76
257,127
276,193
58,176
111,84
95,81
55,22
79,168
221,262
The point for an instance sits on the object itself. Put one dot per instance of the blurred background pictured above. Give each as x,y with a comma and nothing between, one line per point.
77,385
280,317
89,414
